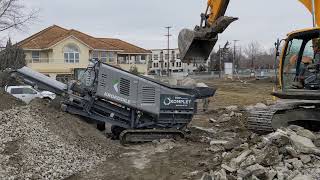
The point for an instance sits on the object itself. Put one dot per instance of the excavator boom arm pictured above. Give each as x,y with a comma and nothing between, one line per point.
313,7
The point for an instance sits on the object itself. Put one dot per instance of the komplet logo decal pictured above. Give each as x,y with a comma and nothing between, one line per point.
115,84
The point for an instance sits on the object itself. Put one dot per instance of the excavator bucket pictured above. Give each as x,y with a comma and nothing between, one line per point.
196,45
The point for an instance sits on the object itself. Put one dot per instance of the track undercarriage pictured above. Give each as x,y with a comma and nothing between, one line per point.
285,113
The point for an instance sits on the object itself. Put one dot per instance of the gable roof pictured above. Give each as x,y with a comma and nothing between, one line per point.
54,34
127,47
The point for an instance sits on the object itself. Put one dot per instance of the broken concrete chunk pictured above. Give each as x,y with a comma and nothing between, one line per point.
280,175
224,118
216,149
232,108
216,161
220,175
290,150
235,163
297,164
289,166
207,176
305,158
303,177
249,108
271,174
302,144
229,169
271,156
253,177
260,106
232,144
218,142
306,133
256,170
249,161
293,174
211,120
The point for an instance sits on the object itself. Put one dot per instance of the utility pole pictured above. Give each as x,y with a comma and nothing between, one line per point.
168,62
234,54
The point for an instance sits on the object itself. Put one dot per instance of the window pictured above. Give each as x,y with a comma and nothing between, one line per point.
177,63
112,57
178,56
104,56
155,65
165,64
143,57
173,64
95,55
71,54
156,57
36,56
64,77
29,91
16,91
290,63
166,56
308,51
180,64
23,91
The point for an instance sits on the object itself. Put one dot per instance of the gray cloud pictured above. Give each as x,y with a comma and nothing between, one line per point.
142,21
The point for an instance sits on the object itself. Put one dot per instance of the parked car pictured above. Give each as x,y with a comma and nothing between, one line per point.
28,93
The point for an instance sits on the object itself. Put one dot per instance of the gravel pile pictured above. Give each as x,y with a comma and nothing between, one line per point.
290,153
39,142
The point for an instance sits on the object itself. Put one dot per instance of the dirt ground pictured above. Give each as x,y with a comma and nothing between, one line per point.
186,159
168,159
240,93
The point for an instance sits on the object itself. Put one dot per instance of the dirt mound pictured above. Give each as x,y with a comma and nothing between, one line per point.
41,142
7,101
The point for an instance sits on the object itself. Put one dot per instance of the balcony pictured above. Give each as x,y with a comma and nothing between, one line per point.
47,65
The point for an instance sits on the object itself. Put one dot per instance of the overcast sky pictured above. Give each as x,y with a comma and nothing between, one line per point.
142,22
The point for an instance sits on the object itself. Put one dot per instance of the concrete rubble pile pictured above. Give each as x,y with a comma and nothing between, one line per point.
51,145
289,153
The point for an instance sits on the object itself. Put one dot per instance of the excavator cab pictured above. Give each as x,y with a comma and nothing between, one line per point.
300,66
196,45
299,92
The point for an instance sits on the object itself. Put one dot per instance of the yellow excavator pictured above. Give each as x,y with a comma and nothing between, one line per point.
299,68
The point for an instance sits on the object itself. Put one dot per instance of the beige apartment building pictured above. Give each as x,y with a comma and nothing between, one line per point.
63,54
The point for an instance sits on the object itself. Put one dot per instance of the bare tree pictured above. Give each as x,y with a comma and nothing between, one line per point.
14,15
252,51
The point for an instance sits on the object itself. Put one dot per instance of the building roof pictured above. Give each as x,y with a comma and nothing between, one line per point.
127,47
52,35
